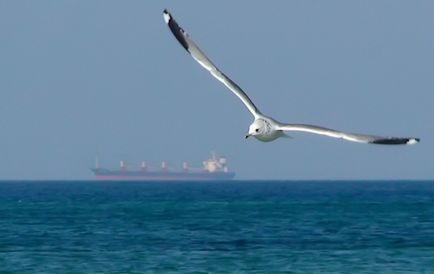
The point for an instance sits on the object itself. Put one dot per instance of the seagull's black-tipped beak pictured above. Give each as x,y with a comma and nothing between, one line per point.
247,136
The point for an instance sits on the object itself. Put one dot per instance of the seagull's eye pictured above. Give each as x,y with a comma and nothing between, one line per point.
257,129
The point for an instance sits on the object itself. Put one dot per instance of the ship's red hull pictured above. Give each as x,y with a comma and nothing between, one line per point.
124,175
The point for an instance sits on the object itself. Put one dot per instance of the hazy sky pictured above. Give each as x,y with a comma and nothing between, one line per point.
80,78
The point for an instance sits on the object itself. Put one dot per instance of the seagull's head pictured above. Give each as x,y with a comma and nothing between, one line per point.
256,128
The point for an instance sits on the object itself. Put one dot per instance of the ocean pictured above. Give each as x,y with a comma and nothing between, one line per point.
217,227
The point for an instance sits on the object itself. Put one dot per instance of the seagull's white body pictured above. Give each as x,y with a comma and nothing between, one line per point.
265,128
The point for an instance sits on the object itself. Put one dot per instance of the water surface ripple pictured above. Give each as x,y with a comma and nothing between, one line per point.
218,227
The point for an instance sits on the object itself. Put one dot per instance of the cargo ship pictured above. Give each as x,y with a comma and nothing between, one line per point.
214,168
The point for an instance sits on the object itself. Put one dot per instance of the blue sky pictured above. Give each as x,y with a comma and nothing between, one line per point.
80,78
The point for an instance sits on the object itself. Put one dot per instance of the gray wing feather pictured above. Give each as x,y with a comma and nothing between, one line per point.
360,138
184,39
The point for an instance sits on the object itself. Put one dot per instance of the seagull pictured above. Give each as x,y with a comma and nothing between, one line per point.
265,128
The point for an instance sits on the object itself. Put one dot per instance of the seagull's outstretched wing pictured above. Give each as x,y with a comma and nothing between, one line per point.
205,62
360,138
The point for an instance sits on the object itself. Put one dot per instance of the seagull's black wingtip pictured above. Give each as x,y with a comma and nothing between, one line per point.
396,141
177,31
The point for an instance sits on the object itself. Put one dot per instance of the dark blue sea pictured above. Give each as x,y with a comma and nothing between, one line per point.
217,227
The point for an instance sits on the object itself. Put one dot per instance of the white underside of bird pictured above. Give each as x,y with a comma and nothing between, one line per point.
264,128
